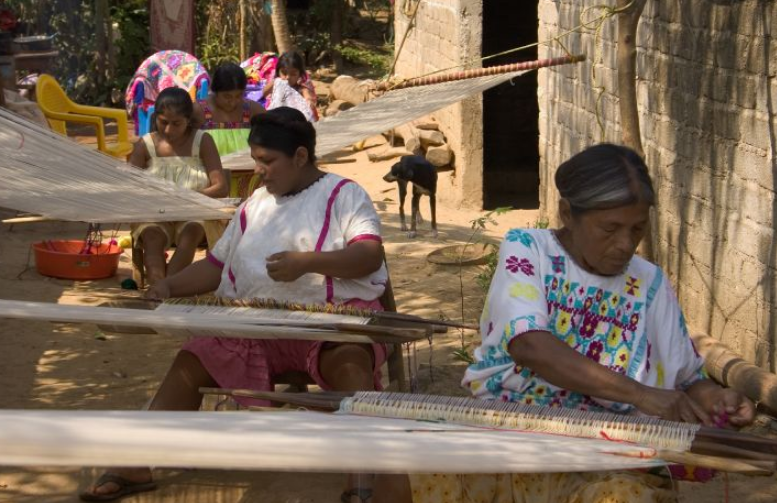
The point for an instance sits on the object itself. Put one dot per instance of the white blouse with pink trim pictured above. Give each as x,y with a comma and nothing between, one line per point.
327,216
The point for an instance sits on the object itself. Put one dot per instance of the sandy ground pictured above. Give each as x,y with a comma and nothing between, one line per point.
60,366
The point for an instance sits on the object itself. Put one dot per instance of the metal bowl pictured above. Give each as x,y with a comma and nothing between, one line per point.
34,43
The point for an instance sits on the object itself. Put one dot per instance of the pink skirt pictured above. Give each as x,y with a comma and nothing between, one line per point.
253,363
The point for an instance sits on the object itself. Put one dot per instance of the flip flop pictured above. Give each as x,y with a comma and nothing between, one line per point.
126,487
362,493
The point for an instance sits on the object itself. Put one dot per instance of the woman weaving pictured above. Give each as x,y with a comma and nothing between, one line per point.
306,236
226,114
575,319
177,152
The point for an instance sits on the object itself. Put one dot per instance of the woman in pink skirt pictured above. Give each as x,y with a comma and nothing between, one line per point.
306,236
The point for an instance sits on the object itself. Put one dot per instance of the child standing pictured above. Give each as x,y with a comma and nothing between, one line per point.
177,152
292,87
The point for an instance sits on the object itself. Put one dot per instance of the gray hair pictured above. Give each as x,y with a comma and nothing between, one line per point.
604,176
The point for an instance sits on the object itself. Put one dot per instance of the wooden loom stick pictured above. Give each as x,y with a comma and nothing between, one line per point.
327,400
41,219
328,308
722,449
481,72
751,467
207,324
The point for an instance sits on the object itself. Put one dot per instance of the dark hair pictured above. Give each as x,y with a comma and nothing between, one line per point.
284,129
229,77
172,99
604,176
290,60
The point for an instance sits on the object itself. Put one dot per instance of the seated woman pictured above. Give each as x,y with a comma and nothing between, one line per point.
575,319
225,113
177,152
292,87
306,236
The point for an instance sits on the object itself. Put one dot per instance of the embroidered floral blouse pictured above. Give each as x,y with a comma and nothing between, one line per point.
631,323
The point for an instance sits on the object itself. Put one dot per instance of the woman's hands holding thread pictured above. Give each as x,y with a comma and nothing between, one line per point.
287,265
159,291
673,405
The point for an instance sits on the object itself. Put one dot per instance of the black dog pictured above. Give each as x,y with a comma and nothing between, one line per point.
423,175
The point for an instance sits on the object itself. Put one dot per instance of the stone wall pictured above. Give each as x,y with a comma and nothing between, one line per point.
447,33
706,93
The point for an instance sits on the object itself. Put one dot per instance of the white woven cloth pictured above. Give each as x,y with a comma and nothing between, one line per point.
47,174
294,441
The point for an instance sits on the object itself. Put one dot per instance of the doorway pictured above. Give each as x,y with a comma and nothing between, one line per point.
511,175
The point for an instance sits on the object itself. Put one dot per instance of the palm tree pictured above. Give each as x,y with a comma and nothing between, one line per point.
280,26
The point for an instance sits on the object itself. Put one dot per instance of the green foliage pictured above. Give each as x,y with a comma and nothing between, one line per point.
463,355
213,52
133,44
378,61
73,22
541,224
483,279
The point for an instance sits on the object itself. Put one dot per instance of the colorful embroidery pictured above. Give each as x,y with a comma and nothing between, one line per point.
517,235
559,264
514,265
524,290
632,286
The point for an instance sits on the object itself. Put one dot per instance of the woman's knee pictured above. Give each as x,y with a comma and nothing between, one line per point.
153,237
343,354
348,367
191,235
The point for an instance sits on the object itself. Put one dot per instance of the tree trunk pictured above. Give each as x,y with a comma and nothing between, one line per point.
280,26
243,24
262,33
627,72
627,94
101,56
336,34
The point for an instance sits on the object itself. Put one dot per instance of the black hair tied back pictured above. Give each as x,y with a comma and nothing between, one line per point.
284,129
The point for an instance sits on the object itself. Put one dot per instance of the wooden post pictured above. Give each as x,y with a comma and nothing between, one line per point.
242,24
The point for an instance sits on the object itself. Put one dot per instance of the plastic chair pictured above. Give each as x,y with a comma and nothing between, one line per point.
59,110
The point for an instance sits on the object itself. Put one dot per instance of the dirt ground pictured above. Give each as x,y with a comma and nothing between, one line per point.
67,366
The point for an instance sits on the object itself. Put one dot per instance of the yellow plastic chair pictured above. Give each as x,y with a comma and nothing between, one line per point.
59,110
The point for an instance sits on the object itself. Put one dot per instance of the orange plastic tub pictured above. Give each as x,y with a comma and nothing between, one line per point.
69,259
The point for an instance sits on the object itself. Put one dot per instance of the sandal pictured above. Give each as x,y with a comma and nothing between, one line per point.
126,487
362,493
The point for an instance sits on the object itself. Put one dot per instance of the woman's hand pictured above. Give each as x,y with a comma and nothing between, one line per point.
287,265
731,409
159,291
727,407
672,405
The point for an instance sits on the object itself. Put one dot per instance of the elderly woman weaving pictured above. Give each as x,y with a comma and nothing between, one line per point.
307,236
575,319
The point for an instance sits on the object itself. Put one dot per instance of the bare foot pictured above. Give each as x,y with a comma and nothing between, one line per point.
120,480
